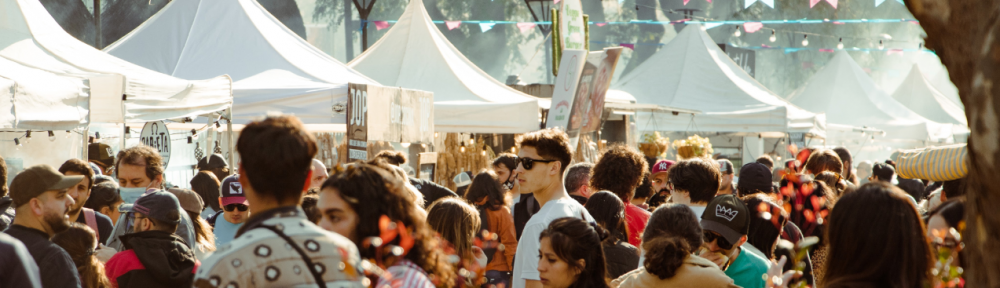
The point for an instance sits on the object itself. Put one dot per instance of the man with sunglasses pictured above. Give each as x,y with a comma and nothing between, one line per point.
542,159
235,210
726,224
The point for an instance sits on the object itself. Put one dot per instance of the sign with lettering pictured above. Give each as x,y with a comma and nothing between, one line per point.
565,88
571,25
357,122
155,134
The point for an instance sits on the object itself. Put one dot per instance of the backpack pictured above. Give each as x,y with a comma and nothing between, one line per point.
91,219
491,245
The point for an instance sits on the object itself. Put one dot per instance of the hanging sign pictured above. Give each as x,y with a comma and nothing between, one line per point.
565,88
357,122
571,26
155,134
404,116
602,80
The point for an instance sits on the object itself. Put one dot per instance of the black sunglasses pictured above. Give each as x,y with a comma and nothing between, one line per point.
529,163
723,243
240,207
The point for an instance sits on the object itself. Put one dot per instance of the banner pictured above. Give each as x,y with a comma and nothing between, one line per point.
583,89
565,88
602,80
403,116
357,122
571,25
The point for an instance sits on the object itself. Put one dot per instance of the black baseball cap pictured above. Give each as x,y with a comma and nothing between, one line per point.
212,162
728,216
883,171
101,153
160,205
755,176
725,166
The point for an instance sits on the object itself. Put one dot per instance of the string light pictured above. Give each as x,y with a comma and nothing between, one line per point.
67,134
52,136
840,45
773,36
805,40
17,143
737,33
27,137
880,45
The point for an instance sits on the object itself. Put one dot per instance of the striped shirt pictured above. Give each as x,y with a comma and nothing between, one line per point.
405,274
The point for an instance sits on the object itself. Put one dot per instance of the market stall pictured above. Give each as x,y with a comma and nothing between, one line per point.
917,93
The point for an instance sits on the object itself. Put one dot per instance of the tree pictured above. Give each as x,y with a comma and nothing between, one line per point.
964,34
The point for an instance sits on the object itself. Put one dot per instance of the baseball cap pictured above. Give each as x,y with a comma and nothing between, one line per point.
728,216
662,166
189,200
212,161
725,166
232,191
36,180
159,205
101,153
883,171
755,176
463,179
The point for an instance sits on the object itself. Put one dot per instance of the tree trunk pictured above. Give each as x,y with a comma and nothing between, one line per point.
964,34
348,32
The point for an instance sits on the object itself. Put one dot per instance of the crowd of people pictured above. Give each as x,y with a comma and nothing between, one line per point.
280,218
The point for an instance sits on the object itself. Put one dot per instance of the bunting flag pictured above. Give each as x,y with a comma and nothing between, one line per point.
486,26
826,50
751,27
769,3
814,2
628,45
452,24
379,25
601,24
555,1
525,26
894,51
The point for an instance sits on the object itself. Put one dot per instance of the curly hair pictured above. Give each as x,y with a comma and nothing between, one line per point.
824,160
486,185
574,239
79,242
698,177
142,155
373,192
392,157
550,143
619,170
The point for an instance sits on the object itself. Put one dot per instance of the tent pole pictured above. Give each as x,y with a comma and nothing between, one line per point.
229,132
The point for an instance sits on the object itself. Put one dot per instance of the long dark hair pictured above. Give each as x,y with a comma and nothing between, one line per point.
766,221
848,161
485,184
608,211
372,193
877,238
672,233
573,239
79,241
203,232
206,185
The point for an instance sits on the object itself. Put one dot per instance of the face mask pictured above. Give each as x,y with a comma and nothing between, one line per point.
509,184
129,195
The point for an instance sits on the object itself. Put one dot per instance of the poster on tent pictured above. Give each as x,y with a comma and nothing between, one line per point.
564,91
357,122
404,116
571,25
602,80
583,89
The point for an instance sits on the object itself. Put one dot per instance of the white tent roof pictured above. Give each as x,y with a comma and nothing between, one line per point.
849,96
414,54
34,99
29,35
917,93
691,72
274,68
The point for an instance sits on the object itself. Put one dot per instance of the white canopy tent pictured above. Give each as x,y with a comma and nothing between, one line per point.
31,37
414,54
691,72
34,99
917,94
850,97
274,69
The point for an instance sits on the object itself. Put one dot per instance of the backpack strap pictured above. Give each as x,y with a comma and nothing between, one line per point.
88,214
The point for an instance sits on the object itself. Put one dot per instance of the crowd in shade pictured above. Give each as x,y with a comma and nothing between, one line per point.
281,218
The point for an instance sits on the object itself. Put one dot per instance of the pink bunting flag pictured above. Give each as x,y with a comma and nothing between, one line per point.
751,27
832,3
525,26
765,46
838,23
826,50
452,24
379,25
814,2
555,1
627,45
686,2
894,51
601,24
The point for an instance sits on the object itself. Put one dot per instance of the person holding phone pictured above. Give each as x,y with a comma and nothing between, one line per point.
726,224
235,210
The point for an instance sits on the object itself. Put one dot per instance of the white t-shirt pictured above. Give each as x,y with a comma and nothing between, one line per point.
526,261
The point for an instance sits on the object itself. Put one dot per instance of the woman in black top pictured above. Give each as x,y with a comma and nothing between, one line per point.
609,211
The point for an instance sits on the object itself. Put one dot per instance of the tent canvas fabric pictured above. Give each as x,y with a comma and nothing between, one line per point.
691,72
31,37
917,93
414,54
848,96
34,99
274,68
